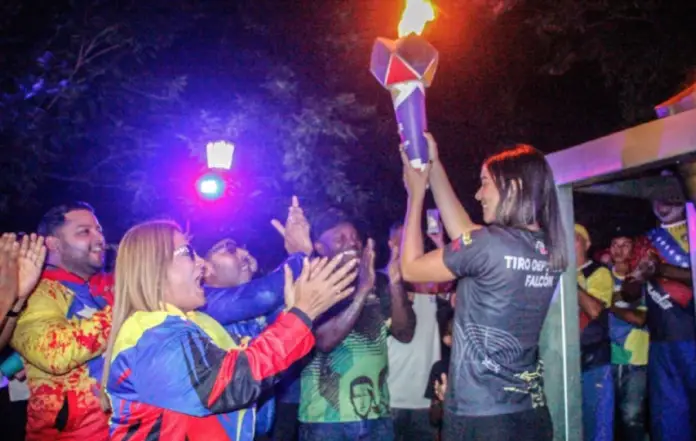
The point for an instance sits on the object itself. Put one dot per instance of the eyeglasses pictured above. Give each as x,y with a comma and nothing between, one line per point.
186,250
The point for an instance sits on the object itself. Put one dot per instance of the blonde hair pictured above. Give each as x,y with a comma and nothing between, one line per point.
143,257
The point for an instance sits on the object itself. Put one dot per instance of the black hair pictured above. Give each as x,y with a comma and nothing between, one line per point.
55,217
328,220
445,315
619,231
361,380
528,195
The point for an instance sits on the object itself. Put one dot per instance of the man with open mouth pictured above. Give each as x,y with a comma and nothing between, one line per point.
350,360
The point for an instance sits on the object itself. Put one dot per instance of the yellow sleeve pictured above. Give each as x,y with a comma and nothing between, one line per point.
52,342
600,285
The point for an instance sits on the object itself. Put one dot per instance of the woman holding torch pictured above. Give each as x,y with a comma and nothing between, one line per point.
507,272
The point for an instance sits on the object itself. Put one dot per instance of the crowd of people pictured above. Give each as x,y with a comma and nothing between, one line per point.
174,346
638,332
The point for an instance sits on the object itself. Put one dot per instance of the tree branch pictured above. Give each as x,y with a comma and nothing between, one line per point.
102,52
82,180
84,57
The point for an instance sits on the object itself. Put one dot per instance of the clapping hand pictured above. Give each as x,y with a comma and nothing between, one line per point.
321,285
366,273
296,230
394,265
289,290
32,255
647,267
9,271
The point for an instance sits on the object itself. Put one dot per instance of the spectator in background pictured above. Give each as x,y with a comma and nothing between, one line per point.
438,380
595,292
62,333
344,391
664,271
629,346
261,301
410,363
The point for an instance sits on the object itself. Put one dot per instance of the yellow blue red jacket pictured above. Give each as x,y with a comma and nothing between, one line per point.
61,336
179,376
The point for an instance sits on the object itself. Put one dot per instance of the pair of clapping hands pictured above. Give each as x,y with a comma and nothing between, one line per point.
323,282
21,263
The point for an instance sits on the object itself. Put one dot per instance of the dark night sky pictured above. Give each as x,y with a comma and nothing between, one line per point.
480,59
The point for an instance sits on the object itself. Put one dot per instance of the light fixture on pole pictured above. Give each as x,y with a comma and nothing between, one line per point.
219,154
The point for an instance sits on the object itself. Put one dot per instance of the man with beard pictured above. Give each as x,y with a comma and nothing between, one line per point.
664,271
352,343
63,331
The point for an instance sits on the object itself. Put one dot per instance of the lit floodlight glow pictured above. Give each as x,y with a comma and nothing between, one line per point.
219,154
210,186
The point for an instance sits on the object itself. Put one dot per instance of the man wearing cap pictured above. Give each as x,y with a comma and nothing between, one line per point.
664,264
344,392
595,291
246,307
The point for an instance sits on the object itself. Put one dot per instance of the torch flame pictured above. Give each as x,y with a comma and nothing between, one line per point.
416,14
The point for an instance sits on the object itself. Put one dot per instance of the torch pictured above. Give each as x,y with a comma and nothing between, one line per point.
406,67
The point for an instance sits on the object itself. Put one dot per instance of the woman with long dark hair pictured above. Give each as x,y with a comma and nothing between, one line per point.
507,272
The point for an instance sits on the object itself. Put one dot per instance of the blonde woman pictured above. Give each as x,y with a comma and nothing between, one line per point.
175,374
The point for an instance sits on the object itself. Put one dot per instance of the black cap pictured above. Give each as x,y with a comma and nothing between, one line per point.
622,231
328,220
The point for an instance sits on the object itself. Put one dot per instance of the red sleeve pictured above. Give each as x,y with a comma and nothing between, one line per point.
678,292
272,352
642,247
190,374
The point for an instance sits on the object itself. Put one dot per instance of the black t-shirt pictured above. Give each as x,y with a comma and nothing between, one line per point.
439,367
503,294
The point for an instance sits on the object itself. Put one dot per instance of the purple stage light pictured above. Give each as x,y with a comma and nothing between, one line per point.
211,186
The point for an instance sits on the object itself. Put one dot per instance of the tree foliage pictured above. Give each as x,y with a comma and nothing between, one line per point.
296,144
80,96
101,98
644,49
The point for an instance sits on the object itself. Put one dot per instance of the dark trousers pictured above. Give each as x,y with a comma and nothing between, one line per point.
672,389
598,403
285,427
412,425
530,425
630,393
13,416
367,430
